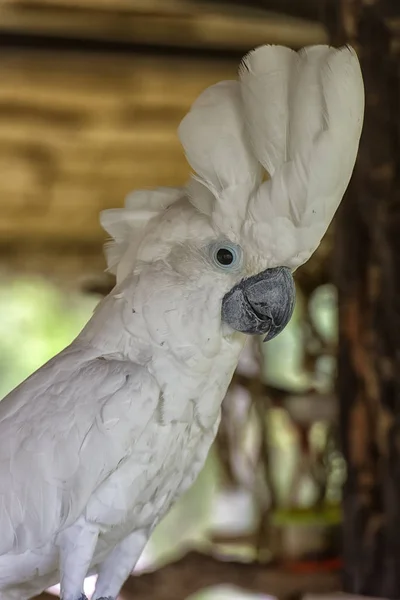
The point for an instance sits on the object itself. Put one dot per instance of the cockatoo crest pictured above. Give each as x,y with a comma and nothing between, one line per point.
272,155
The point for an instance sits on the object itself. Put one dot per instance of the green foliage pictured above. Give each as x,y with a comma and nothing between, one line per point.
37,320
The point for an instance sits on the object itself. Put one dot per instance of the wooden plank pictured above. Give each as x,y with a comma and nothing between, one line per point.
310,10
131,6
192,26
77,132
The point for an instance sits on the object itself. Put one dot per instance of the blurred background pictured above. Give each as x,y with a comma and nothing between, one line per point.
301,492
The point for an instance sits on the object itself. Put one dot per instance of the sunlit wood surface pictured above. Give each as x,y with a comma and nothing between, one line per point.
77,132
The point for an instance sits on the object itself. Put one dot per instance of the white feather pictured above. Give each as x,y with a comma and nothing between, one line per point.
265,75
322,124
63,431
127,225
215,140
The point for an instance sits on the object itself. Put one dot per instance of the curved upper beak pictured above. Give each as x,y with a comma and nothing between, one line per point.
262,304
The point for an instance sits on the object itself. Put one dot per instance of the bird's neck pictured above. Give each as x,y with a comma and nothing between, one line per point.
111,330
117,327
198,369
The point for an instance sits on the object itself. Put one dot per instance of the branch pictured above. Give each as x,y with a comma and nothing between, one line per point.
196,571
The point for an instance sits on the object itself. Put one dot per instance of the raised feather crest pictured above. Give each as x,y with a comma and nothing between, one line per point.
300,117
295,116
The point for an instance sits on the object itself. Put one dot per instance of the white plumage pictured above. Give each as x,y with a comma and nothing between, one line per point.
312,118
98,443
127,226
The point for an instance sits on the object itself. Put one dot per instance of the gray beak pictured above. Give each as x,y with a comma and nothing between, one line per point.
262,304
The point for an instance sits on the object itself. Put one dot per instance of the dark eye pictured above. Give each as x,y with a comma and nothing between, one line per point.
225,257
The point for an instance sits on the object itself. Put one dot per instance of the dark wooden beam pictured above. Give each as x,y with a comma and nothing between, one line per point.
61,43
190,29
303,9
367,255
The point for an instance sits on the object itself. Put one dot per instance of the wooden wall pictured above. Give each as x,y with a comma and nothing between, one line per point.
77,132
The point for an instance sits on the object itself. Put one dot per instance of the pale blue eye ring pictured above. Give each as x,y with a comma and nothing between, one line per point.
226,256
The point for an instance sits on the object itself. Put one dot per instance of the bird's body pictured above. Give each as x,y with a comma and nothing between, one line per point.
140,489
98,444
159,443
141,434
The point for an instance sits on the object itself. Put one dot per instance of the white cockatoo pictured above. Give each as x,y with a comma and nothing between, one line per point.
98,444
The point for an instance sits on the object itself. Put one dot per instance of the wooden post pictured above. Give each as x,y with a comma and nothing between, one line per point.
367,256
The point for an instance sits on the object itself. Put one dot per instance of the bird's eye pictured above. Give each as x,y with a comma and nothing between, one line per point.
226,256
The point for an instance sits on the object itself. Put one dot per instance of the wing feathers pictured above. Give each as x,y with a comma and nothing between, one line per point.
56,449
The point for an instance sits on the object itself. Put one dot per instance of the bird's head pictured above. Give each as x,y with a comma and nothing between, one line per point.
272,155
